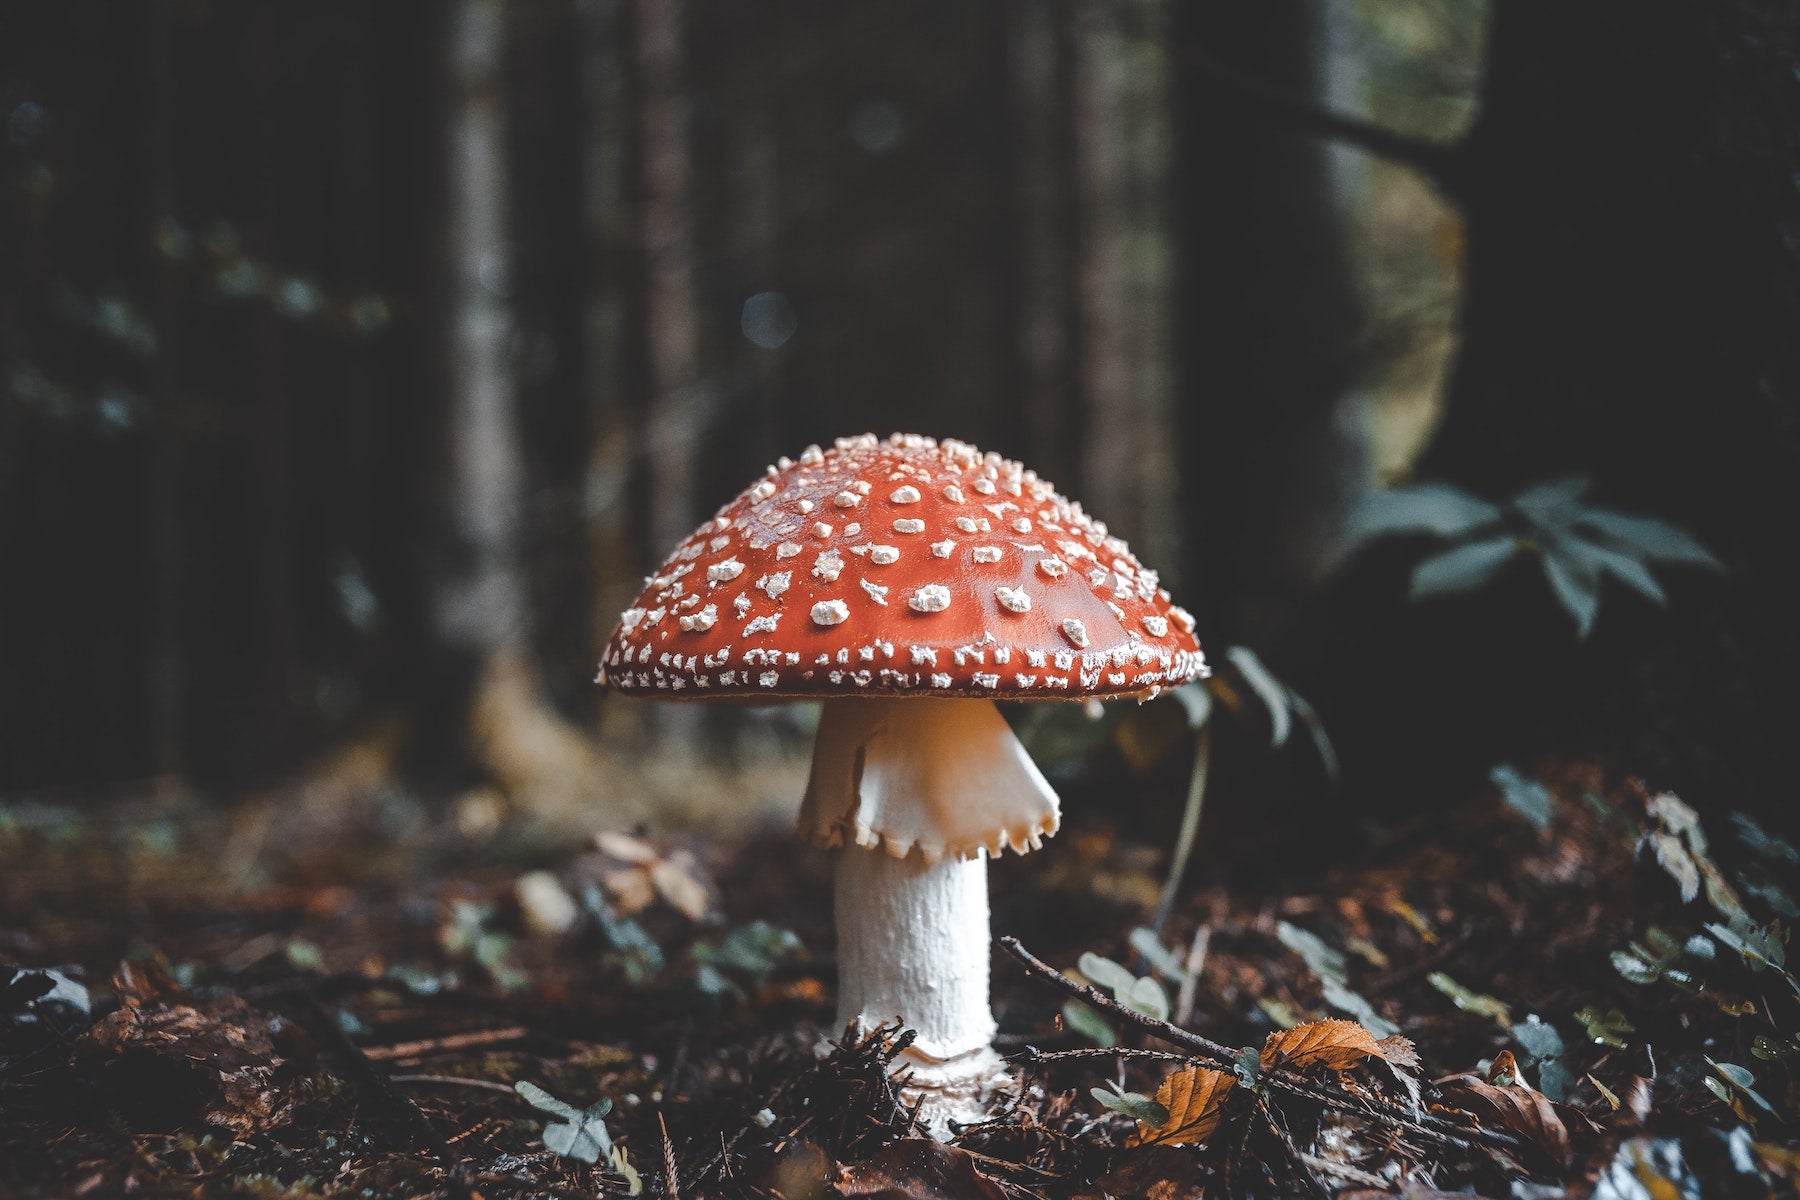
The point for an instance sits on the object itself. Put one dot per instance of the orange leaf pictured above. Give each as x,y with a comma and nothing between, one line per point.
1194,1097
1339,1045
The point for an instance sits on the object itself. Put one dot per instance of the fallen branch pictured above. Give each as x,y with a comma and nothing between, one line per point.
1225,1058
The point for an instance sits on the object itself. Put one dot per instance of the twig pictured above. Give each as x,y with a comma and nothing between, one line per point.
1223,1056
453,1081
1295,1156
454,1041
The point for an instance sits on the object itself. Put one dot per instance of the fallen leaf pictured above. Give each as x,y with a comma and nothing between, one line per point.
649,872
1337,1044
918,1169
1195,1098
1516,1109
677,881
171,1059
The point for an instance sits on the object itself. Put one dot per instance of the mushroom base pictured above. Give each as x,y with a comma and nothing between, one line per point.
913,946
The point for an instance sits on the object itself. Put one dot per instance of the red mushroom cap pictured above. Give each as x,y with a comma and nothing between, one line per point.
906,565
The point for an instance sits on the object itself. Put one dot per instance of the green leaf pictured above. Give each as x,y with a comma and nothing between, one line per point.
1472,1001
1197,700
1270,690
1647,538
1623,567
580,1134
1135,1105
1435,508
543,1101
1551,505
1761,948
1576,585
1106,974
1147,996
1537,1038
1463,568
1605,1028
1634,968
1353,1005
1760,840
1248,1066
1527,797
1321,959
1089,1024
1159,956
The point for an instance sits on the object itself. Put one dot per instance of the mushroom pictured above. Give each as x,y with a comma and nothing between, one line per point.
946,580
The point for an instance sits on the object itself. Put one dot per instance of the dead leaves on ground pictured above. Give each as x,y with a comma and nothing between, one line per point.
1195,1096
214,1060
1505,1101
1331,1043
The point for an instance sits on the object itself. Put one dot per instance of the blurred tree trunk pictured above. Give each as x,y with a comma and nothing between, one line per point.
613,555
1265,322
1043,289
1111,435
679,405
482,606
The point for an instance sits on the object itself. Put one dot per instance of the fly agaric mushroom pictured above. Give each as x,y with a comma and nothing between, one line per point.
909,584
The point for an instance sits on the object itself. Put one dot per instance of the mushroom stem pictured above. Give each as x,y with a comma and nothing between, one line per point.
917,793
913,945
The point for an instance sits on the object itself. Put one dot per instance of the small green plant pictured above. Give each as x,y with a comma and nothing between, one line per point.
1578,544
580,1133
1140,994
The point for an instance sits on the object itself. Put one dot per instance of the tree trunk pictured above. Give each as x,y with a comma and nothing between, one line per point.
482,602
679,403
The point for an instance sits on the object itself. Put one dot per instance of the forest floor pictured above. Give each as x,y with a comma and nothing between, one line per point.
1574,988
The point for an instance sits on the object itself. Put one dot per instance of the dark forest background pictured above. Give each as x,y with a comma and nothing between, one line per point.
356,360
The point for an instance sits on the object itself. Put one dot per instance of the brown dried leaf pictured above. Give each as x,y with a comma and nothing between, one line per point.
1399,1052
626,848
1195,1098
677,879
1401,1058
171,1061
1516,1109
918,1169
1337,1044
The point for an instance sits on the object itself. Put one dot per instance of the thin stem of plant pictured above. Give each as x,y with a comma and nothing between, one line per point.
1190,826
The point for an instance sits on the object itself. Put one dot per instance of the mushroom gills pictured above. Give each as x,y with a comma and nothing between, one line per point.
933,777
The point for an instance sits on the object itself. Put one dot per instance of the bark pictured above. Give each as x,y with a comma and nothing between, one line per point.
1113,436
1043,286
679,403
482,603
613,556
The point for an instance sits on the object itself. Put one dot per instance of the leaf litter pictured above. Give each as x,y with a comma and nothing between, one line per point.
1594,1003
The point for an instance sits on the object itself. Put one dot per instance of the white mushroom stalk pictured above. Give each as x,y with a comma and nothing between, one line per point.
917,793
